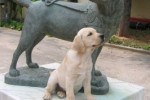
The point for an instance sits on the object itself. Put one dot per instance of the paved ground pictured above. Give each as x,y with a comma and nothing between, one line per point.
122,64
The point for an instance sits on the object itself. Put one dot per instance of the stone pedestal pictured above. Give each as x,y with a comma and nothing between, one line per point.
119,90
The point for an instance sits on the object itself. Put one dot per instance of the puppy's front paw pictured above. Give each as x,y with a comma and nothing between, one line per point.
90,97
70,98
47,96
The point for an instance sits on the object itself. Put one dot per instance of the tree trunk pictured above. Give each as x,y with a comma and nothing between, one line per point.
125,21
10,11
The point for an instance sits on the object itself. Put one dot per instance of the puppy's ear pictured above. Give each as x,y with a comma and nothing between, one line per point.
78,44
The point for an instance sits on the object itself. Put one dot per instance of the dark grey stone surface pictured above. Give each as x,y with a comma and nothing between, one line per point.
36,77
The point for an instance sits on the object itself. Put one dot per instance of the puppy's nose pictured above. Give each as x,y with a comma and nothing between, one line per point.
101,36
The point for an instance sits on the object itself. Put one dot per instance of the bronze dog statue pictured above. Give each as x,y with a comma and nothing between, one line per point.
63,20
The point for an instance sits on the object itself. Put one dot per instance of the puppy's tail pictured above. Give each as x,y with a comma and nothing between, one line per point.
25,3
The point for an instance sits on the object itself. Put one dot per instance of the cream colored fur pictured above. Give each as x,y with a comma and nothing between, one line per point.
75,70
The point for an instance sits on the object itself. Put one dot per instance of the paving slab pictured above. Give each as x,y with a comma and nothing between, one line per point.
129,66
119,90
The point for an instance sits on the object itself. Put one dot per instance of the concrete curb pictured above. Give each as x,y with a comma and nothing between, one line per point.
127,48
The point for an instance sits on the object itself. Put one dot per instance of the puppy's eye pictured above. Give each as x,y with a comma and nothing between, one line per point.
90,34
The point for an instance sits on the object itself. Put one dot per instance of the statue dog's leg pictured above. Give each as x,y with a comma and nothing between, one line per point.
29,52
22,46
13,71
99,82
94,58
29,38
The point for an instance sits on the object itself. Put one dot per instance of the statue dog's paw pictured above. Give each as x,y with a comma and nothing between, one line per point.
14,72
47,96
33,65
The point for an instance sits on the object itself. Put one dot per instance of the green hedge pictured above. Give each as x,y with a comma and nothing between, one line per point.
12,24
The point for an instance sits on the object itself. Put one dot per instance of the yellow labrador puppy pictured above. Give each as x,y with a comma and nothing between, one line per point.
75,70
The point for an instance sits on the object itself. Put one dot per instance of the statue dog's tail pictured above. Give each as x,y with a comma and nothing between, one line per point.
25,3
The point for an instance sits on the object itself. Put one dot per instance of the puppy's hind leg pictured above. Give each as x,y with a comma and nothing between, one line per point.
29,51
51,86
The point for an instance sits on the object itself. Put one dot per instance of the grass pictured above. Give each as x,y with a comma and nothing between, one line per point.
17,25
135,38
